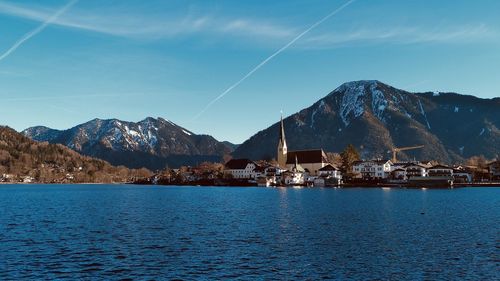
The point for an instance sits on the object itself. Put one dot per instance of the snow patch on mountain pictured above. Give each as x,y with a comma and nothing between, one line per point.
321,106
379,103
134,133
423,113
352,100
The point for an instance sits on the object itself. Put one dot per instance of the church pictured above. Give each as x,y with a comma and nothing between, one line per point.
311,160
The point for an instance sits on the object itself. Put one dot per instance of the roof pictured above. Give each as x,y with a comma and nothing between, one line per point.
376,161
381,161
399,170
494,163
238,164
306,156
259,169
328,167
402,163
415,165
441,167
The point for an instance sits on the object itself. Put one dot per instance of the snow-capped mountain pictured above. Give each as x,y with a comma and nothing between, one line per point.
376,117
151,143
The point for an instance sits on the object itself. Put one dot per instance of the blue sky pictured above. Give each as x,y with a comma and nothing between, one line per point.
78,60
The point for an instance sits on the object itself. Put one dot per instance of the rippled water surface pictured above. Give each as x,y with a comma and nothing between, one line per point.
145,233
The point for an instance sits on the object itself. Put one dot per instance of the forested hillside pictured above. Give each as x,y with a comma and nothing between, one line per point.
22,159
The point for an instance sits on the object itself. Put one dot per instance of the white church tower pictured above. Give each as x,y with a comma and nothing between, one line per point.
282,149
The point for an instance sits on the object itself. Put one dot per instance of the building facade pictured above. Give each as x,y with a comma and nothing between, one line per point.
241,169
416,170
440,171
494,170
372,169
329,171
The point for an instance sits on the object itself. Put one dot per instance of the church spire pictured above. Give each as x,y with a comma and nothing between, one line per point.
282,149
282,132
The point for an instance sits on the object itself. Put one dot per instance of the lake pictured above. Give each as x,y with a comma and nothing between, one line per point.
115,232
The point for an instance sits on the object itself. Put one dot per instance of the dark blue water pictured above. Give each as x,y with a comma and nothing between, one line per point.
73,232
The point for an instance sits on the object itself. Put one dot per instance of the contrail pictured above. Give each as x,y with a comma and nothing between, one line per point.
271,57
37,30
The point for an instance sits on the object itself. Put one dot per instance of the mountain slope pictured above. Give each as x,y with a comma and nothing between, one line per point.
22,157
151,143
376,117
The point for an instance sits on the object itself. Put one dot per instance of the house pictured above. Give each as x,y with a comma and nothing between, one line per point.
329,171
461,174
372,169
241,169
328,176
494,170
399,174
400,165
415,170
294,176
270,176
27,179
440,171
259,171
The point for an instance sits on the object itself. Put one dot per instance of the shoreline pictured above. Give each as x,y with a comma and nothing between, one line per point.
348,186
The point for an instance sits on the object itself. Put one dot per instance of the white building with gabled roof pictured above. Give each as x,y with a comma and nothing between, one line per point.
372,169
241,169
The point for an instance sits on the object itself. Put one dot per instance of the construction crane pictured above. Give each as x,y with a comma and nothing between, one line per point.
395,150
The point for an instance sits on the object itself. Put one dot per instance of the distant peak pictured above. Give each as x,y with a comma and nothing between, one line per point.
359,83
39,128
364,82
150,119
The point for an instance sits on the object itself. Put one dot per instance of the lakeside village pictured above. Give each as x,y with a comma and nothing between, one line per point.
312,168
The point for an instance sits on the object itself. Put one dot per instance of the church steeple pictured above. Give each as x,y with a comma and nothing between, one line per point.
282,149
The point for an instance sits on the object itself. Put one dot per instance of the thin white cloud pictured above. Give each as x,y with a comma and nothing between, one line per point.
124,24
13,73
65,97
469,33
38,29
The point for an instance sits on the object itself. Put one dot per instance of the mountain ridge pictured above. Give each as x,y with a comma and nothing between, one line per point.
151,143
